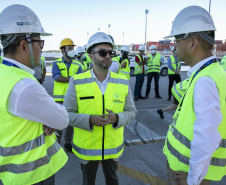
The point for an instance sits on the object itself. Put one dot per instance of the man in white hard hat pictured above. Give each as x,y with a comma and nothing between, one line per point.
29,151
174,67
139,72
99,114
62,69
195,145
153,70
87,58
81,56
125,69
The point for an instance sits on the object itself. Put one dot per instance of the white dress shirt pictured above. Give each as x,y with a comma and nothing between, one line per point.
29,100
205,131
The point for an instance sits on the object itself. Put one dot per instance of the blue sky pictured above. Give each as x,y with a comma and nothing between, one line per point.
73,18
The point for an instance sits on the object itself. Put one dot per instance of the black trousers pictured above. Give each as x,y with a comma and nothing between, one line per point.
138,84
149,79
172,78
110,168
49,181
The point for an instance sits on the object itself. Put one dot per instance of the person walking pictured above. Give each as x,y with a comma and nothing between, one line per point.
153,70
29,151
194,146
174,67
139,72
40,70
99,114
62,69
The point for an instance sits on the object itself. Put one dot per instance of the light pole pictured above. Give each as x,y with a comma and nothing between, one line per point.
123,37
209,6
146,12
87,36
109,28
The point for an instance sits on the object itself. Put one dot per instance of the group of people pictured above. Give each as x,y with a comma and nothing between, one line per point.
94,105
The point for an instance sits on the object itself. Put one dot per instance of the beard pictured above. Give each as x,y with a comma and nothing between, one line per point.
102,64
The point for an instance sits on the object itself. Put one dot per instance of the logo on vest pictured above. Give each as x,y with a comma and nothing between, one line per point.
116,100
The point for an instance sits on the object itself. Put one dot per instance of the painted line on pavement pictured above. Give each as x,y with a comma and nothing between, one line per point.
141,176
144,141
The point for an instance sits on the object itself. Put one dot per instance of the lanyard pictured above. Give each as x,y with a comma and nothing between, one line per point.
197,72
9,64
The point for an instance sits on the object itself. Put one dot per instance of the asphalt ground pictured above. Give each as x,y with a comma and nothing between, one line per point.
142,162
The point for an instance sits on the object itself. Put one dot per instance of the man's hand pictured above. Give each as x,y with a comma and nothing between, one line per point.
112,117
177,72
181,177
98,120
48,130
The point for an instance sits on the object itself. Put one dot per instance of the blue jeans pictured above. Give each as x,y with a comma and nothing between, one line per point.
156,78
139,84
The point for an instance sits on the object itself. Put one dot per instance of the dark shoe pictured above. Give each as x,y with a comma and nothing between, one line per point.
158,96
146,96
141,97
68,147
159,111
169,99
135,98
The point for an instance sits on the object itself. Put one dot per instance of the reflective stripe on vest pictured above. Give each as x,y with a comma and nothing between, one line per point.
31,166
125,71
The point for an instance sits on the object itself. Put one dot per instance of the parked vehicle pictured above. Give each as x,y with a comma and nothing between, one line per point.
163,67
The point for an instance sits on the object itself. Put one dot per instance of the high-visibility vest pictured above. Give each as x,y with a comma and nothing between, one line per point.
43,63
179,89
175,65
138,69
125,71
102,142
1,59
154,63
178,142
27,155
87,60
223,62
60,89
117,59
84,65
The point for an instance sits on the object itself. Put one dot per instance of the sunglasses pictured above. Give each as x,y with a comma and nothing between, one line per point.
103,53
41,42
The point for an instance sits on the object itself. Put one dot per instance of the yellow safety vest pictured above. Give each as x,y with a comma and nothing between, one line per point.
84,65
102,142
125,71
223,62
88,60
27,155
179,89
43,64
60,88
175,65
1,58
138,69
154,63
178,142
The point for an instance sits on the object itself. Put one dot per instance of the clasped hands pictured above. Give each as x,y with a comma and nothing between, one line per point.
104,119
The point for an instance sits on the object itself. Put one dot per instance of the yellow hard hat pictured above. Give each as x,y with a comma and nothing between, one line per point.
67,42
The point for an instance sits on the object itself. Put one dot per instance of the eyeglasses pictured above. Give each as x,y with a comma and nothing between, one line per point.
41,42
103,53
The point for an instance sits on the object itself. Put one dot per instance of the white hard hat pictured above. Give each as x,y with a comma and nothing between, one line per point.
84,47
190,20
20,19
153,47
98,38
80,49
141,47
125,48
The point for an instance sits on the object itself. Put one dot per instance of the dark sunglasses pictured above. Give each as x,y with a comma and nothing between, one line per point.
103,53
41,42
